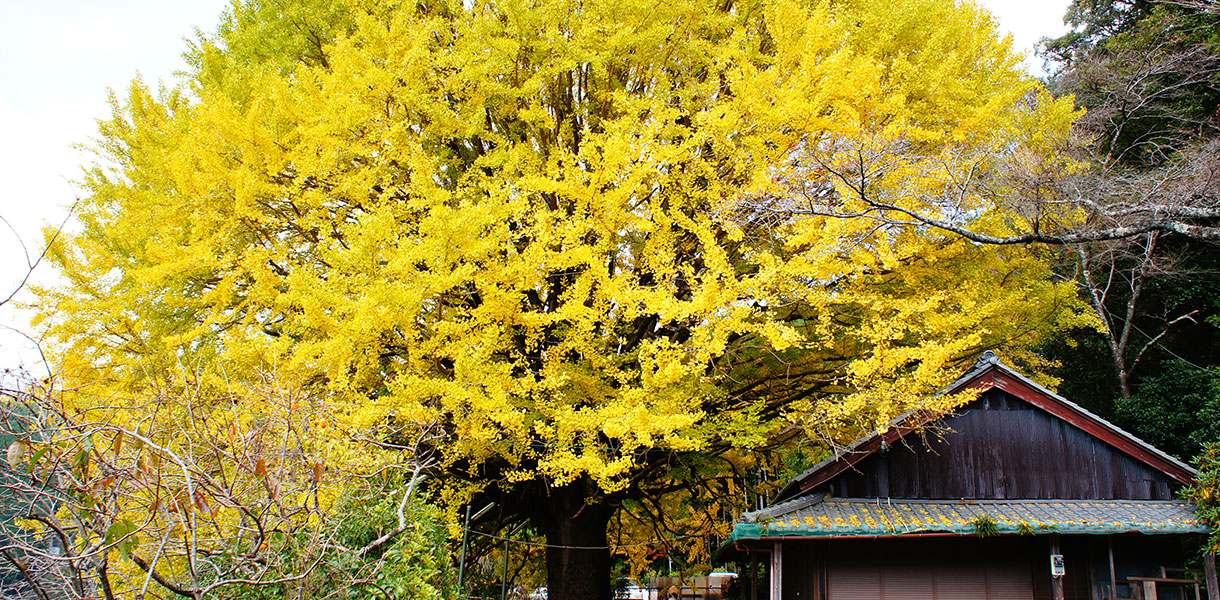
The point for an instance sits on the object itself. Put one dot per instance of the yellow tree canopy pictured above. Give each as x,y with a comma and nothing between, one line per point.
538,225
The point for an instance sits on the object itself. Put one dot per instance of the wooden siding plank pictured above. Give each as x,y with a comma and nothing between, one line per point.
992,460
1209,570
1026,462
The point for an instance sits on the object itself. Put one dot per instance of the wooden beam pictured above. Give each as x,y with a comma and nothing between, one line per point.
1209,570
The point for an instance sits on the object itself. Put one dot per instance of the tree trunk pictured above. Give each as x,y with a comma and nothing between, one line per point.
574,519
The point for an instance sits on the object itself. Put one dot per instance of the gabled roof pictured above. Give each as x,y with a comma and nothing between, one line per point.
990,373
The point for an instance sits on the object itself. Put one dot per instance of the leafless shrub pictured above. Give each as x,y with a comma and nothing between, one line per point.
183,493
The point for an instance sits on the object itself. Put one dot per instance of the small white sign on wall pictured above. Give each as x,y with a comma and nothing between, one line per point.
1057,565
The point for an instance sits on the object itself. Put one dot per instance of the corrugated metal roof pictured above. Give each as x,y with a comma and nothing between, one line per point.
816,516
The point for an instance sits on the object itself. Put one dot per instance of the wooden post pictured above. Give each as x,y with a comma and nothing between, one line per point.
777,572
462,556
1113,575
1209,570
753,575
1092,572
504,573
1056,582
1149,590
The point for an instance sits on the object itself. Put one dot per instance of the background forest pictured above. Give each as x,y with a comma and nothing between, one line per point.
443,299
1146,75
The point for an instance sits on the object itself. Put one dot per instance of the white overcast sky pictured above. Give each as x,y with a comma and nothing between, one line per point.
58,58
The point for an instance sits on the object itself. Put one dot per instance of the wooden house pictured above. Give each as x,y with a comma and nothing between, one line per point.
1018,495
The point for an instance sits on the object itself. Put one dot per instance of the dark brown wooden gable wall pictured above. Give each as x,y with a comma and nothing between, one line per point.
1001,447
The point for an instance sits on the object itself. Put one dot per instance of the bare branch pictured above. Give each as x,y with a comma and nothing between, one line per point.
32,263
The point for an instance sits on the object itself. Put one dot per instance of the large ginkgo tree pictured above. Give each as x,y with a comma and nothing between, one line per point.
562,232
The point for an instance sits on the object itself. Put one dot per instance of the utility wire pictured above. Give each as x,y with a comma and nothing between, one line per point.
1205,370
607,547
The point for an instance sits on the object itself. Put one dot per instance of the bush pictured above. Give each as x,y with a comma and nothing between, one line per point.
1205,494
1176,410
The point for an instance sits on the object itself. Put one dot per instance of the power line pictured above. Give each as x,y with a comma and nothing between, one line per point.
1162,346
561,546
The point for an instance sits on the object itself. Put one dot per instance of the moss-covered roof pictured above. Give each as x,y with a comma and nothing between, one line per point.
815,516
